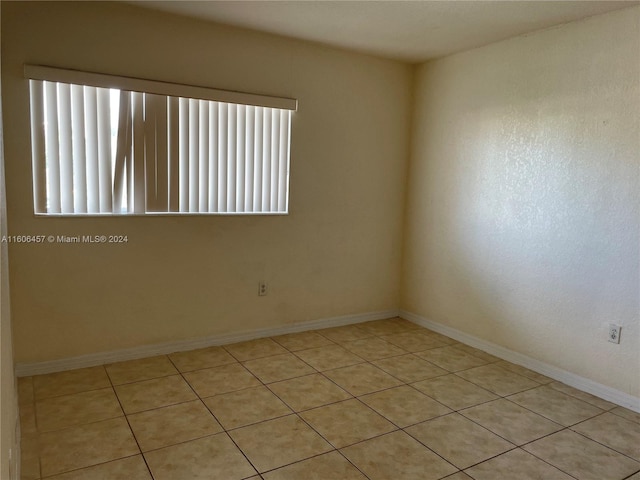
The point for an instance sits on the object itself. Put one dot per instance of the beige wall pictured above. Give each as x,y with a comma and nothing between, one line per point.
523,216
336,253
8,401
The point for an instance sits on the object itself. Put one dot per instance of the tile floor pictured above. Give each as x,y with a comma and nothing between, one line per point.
379,400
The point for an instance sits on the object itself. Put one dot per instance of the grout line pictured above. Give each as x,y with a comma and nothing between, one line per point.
216,419
144,459
542,459
597,441
88,466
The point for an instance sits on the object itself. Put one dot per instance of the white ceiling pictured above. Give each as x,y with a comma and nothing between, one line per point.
412,31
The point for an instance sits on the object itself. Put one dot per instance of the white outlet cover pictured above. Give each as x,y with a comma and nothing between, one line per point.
614,333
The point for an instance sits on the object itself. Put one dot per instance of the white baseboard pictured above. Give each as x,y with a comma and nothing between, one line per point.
101,358
564,376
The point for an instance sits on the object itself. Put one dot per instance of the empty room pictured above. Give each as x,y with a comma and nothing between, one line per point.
330,240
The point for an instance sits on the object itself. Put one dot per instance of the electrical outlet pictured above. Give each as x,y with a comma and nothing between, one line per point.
262,289
614,333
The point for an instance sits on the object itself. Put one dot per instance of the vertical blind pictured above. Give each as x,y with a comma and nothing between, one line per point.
109,151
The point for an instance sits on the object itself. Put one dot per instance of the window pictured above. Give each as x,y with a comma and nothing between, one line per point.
117,145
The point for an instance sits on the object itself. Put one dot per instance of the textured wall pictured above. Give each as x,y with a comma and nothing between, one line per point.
523,217
337,253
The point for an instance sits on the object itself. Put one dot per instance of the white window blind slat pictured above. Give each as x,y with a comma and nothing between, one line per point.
66,148
184,154
194,129
249,153
222,157
52,148
283,161
161,154
275,157
91,131
213,157
150,165
266,161
105,151
79,160
240,157
38,143
203,156
257,159
137,198
231,158
174,153
123,150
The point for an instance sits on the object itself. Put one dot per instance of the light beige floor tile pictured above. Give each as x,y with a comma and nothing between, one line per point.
373,348
29,457
454,392
77,409
72,381
584,396
626,413
383,327
302,341
203,459
245,407
409,368
459,440
476,353
441,338
516,464
278,442
634,477
149,394
511,421
404,405
130,468
329,466
450,358
201,358
346,333
362,378
140,369
259,348
458,476
413,341
525,372
308,392
326,358
27,419
25,391
222,379
171,425
278,367
615,432
86,445
556,406
497,380
347,422
581,457
397,456
406,324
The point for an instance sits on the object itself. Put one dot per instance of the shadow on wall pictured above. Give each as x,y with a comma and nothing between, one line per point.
525,237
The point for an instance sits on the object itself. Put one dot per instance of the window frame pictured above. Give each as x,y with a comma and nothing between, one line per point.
132,84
